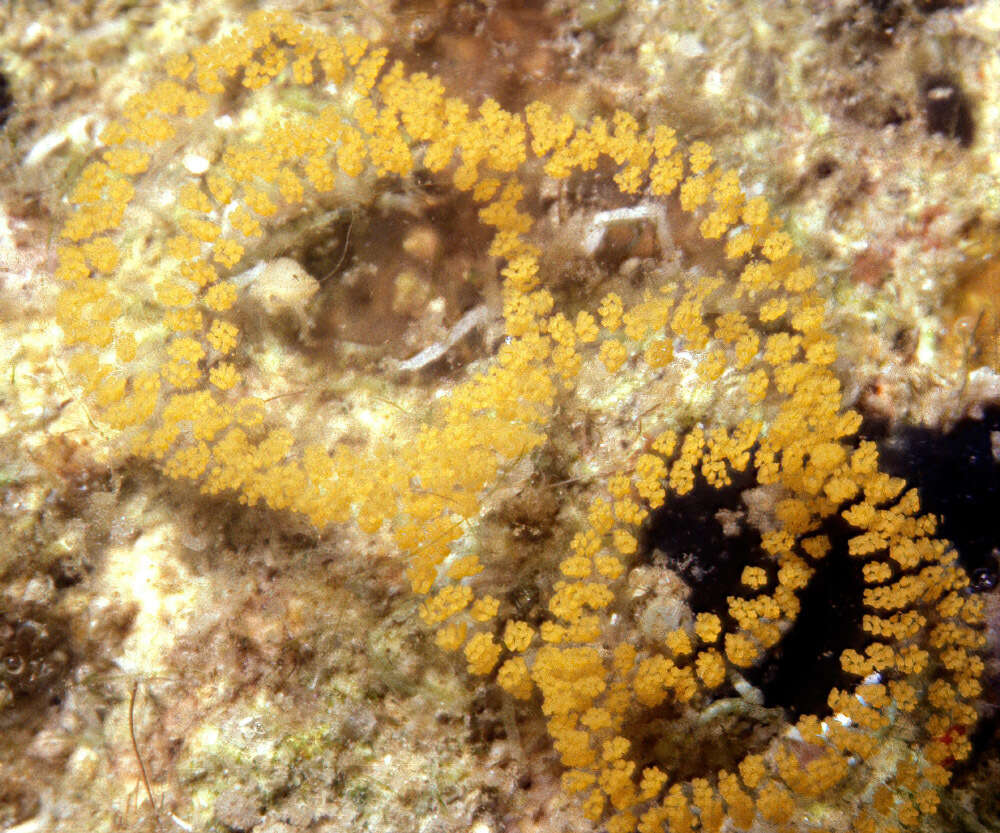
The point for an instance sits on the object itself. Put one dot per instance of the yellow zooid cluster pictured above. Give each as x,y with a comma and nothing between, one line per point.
184,406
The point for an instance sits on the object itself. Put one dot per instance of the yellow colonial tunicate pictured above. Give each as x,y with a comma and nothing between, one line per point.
183,390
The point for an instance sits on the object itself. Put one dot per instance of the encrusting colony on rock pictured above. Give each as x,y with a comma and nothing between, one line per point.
179,402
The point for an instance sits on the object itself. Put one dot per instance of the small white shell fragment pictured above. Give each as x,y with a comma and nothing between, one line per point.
195,164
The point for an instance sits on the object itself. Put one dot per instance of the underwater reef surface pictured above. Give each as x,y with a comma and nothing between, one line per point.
173,658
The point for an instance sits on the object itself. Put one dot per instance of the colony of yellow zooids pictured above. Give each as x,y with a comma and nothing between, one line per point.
919,674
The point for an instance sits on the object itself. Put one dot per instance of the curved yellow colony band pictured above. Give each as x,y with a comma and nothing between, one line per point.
180,398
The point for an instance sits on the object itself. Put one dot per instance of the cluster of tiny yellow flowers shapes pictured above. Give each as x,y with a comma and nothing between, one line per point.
191,414
803,452
222,215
